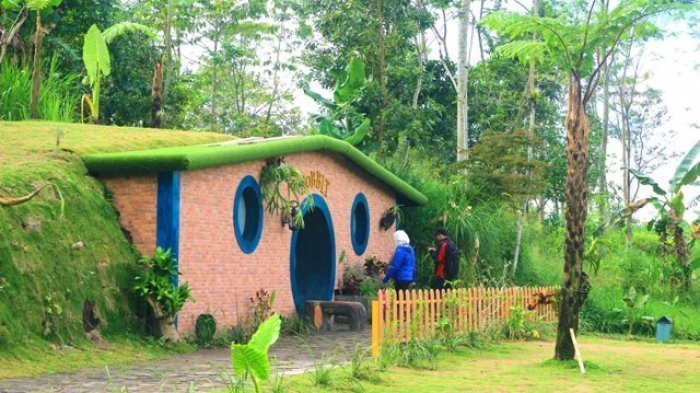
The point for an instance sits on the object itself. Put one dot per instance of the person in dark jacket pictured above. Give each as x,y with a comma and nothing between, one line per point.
444,254
402,268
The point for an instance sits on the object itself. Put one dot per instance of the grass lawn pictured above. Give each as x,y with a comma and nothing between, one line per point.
613,366
40,359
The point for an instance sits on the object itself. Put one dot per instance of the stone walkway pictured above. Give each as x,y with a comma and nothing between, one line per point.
200,371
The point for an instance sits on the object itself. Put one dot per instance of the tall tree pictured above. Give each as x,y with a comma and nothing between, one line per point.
463,81
572,40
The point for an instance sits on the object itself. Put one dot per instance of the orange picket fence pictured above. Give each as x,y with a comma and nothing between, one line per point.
399,316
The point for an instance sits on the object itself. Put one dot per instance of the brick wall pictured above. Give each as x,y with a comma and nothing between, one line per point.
222,277
136,198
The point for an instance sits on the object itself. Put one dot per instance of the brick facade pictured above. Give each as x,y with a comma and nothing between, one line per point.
221,276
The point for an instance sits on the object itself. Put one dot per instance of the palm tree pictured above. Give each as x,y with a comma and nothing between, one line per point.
572,43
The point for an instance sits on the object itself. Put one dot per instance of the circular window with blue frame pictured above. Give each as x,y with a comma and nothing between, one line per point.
248,214
359,224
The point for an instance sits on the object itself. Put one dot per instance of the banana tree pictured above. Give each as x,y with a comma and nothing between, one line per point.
97,60
343,121
671,208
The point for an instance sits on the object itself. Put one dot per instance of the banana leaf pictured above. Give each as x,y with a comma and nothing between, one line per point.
360,133
648,181
679,178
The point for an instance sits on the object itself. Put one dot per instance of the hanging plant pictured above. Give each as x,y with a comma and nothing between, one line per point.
278,179
389,217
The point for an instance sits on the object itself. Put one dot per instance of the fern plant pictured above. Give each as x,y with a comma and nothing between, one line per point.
277,176
251,360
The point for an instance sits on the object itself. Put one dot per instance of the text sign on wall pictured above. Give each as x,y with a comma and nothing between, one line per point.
317,180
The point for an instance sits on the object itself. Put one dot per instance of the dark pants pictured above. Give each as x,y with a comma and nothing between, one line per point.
401,285
438,283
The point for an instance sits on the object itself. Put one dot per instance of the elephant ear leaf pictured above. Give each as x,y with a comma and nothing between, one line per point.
686,173
95,54
648,181
359,134
267,334
246,359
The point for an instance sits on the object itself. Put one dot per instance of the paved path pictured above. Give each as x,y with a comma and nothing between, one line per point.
200,371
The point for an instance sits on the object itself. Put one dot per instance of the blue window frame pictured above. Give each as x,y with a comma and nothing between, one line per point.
248,214
359,224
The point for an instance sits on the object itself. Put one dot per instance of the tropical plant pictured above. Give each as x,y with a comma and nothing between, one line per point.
156,283
251,360
671,208
273,176
97,60
633,313
581,42
343,121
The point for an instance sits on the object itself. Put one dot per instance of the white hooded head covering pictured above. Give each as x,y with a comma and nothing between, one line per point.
401,239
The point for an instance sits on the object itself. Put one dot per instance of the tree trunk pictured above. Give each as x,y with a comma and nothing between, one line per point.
164,324
8,35
36,72
532,106
382,78
167,68
602,181
681,249
577,145
157,91
462,82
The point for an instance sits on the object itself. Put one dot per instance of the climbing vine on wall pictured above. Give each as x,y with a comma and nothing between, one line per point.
282,187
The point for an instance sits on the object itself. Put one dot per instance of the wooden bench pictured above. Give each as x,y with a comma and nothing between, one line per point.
324,314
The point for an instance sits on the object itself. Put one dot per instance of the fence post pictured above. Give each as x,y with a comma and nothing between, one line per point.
375,328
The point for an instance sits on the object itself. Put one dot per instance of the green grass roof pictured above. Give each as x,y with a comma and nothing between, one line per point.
211,155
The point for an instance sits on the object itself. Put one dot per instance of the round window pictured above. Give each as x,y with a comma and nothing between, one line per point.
359,224
248,214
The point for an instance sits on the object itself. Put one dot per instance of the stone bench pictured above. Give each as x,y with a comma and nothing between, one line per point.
323,314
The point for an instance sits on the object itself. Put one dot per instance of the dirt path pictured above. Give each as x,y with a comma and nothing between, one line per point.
199,371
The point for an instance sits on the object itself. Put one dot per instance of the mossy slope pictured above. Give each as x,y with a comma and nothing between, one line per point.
44,279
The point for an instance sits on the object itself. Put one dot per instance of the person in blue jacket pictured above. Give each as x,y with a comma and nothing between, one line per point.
402,268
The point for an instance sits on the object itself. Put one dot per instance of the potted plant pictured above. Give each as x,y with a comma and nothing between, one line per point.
389,217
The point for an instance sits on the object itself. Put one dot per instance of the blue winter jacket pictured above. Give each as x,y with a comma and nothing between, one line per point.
403,265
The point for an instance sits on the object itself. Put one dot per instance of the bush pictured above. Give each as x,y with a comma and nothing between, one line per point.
205,329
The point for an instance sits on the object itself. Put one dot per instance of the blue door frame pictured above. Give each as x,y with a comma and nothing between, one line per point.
312,256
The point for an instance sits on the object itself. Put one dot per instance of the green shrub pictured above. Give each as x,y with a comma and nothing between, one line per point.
59,93
205,329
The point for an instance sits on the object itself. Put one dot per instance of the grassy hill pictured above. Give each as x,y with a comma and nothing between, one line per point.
44,278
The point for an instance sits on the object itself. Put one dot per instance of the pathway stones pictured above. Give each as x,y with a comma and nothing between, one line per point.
200,371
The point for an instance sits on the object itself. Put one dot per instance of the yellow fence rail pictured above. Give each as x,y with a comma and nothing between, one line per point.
399,316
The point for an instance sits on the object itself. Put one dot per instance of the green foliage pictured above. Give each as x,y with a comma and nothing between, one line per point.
521,325
96,57
343,120
205,329
250,360
276,176
59,95
155,281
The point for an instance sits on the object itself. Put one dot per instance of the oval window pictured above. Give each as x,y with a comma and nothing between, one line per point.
359,224
248,214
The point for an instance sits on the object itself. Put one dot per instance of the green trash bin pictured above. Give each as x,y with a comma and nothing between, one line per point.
663,329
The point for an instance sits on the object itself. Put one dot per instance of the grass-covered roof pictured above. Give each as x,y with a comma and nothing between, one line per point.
217,154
